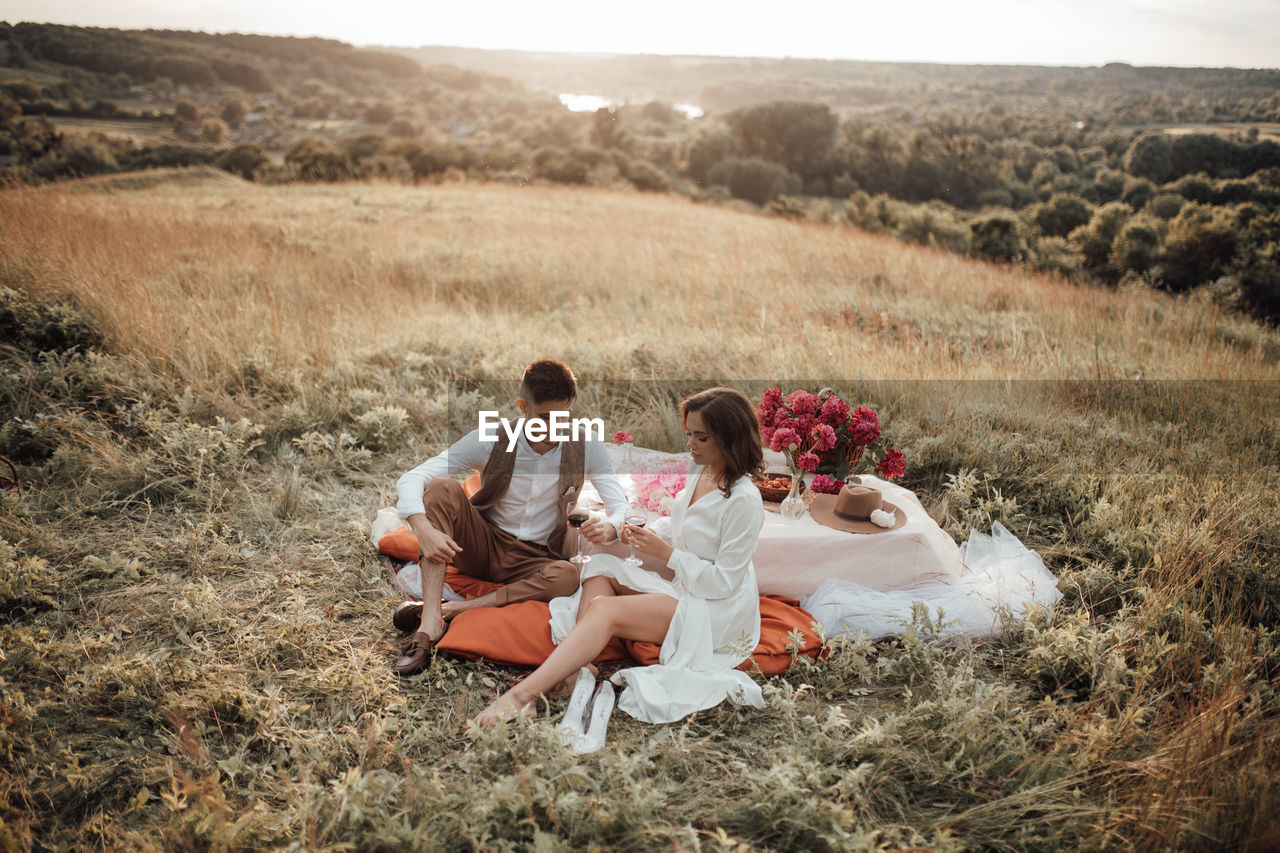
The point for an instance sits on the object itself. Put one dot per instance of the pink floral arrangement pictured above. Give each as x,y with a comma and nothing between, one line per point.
622,437
658,481
802,425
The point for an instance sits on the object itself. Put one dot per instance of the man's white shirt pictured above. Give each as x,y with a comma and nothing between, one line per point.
528,509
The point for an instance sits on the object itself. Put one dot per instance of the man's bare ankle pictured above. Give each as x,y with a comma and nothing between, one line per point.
432,626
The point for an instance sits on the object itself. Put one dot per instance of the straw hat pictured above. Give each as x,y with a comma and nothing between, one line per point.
852,509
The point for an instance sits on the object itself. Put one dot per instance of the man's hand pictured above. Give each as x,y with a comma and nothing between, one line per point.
599,532
435,546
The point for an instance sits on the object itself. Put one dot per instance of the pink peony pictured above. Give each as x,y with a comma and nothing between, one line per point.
892,465
807,461
657,482
835,411
824,437
780,419
766,432
784,438
864,432
622,435
801,402
824,485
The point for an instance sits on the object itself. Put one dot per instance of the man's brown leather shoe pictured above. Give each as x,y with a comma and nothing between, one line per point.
407,616
417,655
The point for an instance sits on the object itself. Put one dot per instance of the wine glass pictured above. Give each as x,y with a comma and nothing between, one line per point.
577,518
636,517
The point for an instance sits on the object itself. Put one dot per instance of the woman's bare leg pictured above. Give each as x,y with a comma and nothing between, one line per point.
593,588
600,586
645,617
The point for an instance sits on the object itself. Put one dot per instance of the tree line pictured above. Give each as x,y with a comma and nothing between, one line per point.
1084,198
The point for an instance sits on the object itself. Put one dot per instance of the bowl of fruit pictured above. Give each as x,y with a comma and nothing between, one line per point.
775,487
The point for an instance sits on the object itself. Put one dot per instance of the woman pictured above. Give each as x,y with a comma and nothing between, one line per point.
702,605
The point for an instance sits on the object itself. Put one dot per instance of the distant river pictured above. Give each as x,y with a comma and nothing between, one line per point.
591,103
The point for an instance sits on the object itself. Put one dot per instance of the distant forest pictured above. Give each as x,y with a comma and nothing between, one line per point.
1164,177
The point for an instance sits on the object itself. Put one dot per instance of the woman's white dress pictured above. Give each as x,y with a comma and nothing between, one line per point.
716,625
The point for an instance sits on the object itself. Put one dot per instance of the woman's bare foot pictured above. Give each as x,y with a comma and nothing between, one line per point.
511,705
565,687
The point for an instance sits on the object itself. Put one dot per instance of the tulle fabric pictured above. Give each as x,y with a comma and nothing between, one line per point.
1000,580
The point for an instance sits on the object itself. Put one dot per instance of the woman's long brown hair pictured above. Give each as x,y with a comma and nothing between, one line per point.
731,418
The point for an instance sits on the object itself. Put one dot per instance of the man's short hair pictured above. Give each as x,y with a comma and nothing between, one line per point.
547,379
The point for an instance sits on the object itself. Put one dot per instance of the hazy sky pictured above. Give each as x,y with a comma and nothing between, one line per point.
1240,33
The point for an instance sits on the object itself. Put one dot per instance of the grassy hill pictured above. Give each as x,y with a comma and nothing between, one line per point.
209,386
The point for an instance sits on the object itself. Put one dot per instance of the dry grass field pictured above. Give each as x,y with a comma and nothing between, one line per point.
209,386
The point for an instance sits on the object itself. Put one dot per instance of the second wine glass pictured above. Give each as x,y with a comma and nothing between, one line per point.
636,517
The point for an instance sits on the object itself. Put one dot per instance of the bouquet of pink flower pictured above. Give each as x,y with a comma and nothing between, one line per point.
804,425
658,481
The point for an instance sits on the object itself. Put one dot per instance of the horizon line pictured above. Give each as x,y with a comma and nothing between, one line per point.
629,53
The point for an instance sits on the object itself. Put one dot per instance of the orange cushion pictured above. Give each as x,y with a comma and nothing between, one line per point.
778,617
517,634
400,543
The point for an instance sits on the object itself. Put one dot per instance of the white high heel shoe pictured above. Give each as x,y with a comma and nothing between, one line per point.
601,710
573,724
586,719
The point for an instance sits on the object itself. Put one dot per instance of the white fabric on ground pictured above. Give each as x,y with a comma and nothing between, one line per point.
1001,578
409,578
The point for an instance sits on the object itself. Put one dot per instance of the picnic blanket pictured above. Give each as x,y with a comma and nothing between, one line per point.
520,634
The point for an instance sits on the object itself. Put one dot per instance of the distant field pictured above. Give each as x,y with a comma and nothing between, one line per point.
1266,129
45,73
130,129
338,127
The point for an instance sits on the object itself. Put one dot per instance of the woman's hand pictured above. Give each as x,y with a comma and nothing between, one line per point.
647,542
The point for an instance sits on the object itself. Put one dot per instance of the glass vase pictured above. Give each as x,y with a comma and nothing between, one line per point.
792,506
628,458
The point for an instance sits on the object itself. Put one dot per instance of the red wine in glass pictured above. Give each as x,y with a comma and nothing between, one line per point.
634,521
577,518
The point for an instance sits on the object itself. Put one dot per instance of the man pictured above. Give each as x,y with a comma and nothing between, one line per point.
513,530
